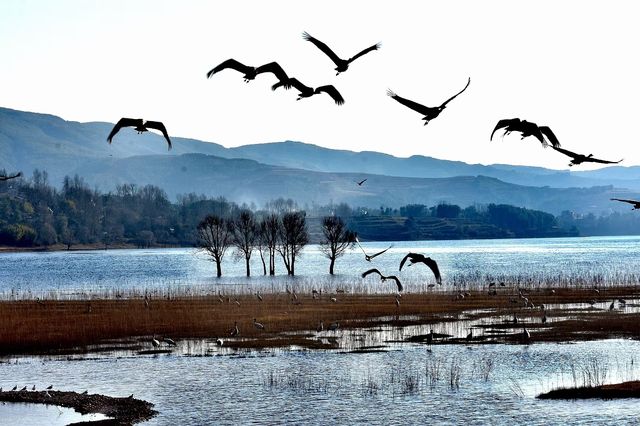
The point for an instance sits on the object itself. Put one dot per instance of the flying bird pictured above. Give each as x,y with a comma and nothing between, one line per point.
140,126
307,92
5,177
361,182
634,203
369,257
429,112
418,258
341,64
250,72
580,158
527,128
384,278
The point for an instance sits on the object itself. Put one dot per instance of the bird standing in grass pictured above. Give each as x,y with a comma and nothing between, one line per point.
258,325
235,331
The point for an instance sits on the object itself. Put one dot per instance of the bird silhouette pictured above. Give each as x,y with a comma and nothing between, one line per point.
155,342
527,128
341,64
429,112
383,277
258,325
5,177
169,341
140,126
418,258
361,182
369,257
580,158
634,203
307,92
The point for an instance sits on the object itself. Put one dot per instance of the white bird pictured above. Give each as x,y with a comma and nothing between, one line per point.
320,327
259,297
219,342
155,342
258,325
333,299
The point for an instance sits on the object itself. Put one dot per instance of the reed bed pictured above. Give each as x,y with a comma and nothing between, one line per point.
55,324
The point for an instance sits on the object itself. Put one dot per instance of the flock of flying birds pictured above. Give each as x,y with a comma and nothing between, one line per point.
526,128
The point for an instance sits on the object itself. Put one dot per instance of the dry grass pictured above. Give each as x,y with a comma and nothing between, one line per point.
30,326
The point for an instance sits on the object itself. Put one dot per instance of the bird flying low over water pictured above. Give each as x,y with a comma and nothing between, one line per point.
634,203
307,92
250,72
527,128
140,126
429,112
369,257
341,64
580,158
384,278
418,258
5,177
361,182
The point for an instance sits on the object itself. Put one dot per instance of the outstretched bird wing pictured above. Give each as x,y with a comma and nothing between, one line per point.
398,283
364,52
5,177
320,45
362,181
507,122
358,242
626,201
275,69
410,104
123,122
434,268
404,260
597,160
331,91
371,271
379,253
159,126
566,152
456,95
230,63
545,130
296,83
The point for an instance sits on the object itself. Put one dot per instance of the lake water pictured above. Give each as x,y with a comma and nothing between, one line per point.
404,383
579,261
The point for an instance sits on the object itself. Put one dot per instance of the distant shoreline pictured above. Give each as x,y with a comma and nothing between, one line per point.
79,247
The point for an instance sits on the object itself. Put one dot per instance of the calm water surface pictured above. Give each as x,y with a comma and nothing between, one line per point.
612,260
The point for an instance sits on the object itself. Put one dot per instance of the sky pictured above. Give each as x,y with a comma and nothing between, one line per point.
570,65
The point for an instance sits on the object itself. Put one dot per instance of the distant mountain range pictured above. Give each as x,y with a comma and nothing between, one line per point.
306,173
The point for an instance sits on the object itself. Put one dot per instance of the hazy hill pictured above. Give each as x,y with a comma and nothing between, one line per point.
30,140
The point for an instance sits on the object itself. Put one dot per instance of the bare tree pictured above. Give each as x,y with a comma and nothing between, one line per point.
293,236
337,239
215,235
245,234
270,230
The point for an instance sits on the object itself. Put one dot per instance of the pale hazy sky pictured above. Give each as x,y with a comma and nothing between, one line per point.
572,65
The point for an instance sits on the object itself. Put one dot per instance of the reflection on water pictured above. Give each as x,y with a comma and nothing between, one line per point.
496,384
42,415
526,262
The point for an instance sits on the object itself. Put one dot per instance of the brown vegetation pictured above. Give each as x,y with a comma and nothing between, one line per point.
53,326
